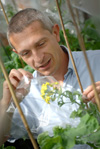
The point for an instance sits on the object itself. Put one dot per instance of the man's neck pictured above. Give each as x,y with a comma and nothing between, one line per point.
63,69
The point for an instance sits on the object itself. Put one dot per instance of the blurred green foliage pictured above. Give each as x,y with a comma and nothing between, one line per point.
90,36
8,147
16,63
10,11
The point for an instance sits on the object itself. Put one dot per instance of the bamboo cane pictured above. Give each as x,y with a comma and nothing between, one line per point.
67,43
17,105
77,16
12,91
4,12
7,24
14,3
13,94
82,45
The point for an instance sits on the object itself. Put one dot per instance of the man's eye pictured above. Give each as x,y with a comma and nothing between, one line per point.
25,53
42,43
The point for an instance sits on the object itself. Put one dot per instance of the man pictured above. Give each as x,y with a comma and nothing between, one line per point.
35,38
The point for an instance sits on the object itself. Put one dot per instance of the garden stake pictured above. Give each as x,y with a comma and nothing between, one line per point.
7,24
77,16
4,12
82,45
14,3
67,43
18,106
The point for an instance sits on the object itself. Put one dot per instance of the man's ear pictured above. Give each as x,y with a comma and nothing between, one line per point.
14,51
55,31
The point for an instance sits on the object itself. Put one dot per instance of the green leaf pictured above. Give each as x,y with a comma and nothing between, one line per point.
87,125
8,147
78,113
68,137
47,142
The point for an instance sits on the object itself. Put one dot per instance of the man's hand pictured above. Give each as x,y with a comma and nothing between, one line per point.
15,77
89,92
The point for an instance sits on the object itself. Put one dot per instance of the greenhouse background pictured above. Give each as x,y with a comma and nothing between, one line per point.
87,16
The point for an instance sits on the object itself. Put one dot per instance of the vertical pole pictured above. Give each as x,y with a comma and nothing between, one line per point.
82,45
13,94
67,43
4,12
18,106
7,24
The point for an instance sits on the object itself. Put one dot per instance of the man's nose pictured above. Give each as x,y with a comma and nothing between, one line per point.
38,56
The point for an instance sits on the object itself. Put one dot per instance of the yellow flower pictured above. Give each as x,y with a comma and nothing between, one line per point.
47,83
56,83
43,89
47,99
46,93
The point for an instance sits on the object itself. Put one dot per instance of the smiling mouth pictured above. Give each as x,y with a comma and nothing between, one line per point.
46,65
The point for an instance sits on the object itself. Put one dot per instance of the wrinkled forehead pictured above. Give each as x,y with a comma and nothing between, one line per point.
19,29
16,32
34,32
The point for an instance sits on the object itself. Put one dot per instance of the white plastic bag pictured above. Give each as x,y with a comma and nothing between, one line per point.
40,115
21,91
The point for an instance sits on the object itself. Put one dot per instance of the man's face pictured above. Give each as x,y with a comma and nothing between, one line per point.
39,48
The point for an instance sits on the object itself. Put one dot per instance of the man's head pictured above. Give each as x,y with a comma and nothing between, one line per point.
35,38
24,18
